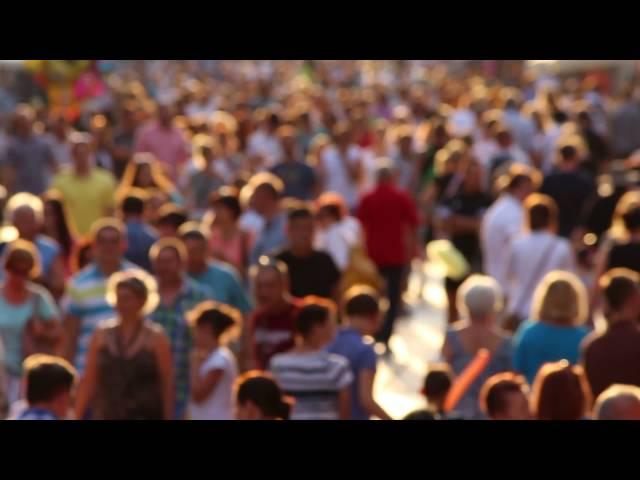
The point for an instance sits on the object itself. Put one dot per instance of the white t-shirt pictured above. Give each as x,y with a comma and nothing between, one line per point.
219,404
534,253
500,225
338,240
337,175
267,146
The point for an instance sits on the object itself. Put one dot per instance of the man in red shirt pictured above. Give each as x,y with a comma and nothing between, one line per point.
389,219
271,328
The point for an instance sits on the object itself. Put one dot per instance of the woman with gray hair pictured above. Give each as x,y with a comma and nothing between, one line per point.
479,301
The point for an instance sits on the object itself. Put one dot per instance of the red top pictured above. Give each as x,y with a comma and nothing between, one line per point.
273,333
387,215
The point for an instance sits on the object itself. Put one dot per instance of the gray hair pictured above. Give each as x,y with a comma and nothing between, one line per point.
616,402
479,296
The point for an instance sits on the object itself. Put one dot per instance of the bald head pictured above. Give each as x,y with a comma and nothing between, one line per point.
618,402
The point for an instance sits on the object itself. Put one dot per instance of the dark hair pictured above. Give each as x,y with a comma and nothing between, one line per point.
227,198
561,392
315,311
171,215
517,181
361,300
80,255
218,316
65,239
559,116
541,210
262,390
496,388
269,187
269,263
299,211
618,285
132,205
192,233
438,381
568,152
47,377
631,219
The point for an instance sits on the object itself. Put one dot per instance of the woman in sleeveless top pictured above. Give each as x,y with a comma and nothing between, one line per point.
479,299
129,373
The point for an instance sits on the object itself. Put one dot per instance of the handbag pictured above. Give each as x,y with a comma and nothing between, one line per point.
40,335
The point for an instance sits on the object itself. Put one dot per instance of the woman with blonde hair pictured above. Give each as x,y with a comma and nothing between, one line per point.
561,392
556,325
145,171
129,357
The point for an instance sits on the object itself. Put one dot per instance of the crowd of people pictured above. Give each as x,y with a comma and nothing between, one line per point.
220,240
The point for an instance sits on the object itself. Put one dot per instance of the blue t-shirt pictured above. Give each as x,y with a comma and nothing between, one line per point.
226,285
48,249
298,179
350,344
140,238
536,343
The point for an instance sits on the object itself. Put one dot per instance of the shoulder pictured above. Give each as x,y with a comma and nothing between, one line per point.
592,340
198,289
338,360
224,269
41,292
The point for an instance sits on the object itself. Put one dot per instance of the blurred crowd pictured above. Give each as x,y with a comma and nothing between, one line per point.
233,239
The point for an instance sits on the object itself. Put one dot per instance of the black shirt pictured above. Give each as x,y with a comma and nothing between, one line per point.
316,274
468,205
625,255
570,191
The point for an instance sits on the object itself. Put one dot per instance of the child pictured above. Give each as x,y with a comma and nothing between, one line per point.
259,398
213,366
318,380
437,384
504,396
49,382
362,309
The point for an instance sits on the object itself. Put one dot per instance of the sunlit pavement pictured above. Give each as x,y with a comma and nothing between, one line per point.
416,342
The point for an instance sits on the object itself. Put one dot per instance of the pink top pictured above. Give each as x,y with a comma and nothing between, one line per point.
166,144
231,250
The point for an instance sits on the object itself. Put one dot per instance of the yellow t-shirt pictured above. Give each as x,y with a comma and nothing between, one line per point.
86,198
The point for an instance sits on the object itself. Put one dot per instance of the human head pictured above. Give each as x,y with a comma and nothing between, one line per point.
26,212
542,212
618,402
213,324
108,240
165,114
259,397
21,262
504,137
23,120
134,203
568,155
287,136
133,293
560,299
560,392
330,208
504,396
270,282
266,191
363,307
196,242
621,294
384,171
168,258
81,254
81,150
437,384
520,181
170,219
315,323
479,298
631,219
49,383
300,228
226,205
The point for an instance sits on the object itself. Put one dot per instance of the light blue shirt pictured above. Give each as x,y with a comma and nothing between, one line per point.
272,237
536,343
226,285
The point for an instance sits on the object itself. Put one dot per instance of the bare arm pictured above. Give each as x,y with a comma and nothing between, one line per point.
202,387
165,364
463,224
56,278
344,404
87,387
71,327
365,389
9,178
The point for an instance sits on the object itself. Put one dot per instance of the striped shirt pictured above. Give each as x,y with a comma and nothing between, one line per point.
315,380
172,319
86,300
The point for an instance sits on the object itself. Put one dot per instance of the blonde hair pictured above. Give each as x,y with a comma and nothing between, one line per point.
561,299
25,200
627,202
